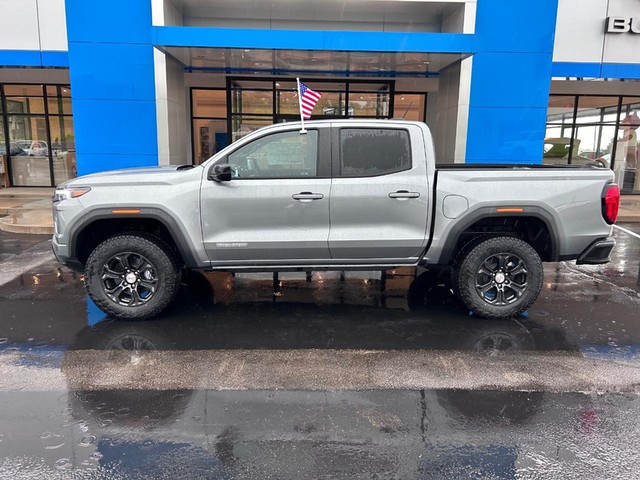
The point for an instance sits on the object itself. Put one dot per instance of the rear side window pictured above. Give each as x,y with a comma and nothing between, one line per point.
367,152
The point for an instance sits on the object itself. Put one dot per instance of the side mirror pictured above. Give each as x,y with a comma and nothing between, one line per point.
220,173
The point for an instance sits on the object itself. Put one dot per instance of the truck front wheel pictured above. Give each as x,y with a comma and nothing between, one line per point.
132,276
500,277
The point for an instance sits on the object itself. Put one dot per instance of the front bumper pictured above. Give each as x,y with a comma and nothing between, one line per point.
597,253
61,252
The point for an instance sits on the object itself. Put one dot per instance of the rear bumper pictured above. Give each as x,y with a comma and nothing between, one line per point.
597,253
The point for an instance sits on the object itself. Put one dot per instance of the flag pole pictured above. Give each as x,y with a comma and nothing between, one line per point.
302,130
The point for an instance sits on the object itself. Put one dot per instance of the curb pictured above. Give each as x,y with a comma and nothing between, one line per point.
7,226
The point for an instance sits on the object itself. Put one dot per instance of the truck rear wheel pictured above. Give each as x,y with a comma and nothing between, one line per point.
500,277
132,276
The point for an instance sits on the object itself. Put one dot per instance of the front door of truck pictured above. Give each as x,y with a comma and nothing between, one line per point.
275,208
379,194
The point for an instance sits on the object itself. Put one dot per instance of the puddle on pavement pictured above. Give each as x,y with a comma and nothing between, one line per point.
300,434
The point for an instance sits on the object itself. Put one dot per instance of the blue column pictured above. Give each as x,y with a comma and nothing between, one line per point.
112,81
510,80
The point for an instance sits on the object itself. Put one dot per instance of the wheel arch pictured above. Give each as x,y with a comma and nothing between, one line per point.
534,225
97,225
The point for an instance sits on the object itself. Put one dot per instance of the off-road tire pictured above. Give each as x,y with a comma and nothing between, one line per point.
165,263
474,259
459,258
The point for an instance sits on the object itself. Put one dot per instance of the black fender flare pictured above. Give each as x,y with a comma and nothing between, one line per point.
173,226
448,251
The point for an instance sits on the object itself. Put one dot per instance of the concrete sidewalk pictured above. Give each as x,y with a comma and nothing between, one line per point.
629,209
28,210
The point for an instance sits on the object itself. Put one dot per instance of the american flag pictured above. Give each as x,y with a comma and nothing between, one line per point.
308,100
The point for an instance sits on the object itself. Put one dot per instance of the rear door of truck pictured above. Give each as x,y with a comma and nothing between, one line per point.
379,192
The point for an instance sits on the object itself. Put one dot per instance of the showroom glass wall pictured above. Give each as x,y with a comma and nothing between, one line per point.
221,116
583,129
37,134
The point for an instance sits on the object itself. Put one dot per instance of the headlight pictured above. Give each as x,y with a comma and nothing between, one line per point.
67,193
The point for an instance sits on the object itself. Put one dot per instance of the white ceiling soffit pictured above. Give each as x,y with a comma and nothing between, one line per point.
355,15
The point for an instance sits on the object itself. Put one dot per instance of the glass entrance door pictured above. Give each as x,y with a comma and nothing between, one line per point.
256,103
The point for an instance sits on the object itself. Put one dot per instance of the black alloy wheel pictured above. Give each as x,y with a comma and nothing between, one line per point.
500,277
129,279
133,276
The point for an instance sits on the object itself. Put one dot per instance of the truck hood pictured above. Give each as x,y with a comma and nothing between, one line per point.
146,175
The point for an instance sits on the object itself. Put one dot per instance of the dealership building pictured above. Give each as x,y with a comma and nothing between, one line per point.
87,86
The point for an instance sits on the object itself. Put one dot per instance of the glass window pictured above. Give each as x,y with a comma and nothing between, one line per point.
604,131
374,151
597,109
58,91
630,105
280,155
369,104
556,145
331,104
63,148
210,103
560,109
25,105
23,90
627,156
59,105
287,102
252,101
593,143
3,143
243,125
210,136
41,146
29,152
409,106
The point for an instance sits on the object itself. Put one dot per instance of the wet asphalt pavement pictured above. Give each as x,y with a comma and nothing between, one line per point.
361,375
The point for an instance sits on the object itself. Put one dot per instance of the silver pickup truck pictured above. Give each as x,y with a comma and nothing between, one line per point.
348,194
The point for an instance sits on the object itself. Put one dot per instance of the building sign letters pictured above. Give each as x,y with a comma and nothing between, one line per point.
623,25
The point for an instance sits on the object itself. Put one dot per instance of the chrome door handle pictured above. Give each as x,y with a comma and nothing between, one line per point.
307,196
404,194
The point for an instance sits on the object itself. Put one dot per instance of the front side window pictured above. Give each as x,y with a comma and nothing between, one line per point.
367,152
279,155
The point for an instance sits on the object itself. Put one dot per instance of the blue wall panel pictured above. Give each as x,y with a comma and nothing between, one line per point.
621,70
112,77
20,58
564,69
516,25
510,80
100,163
507,81
54,59
507,135
118,71
596,70
112,21
118,127
33,58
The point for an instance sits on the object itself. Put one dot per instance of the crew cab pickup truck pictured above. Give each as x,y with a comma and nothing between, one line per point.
348,194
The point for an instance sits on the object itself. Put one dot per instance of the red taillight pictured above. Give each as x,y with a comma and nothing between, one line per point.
611,203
